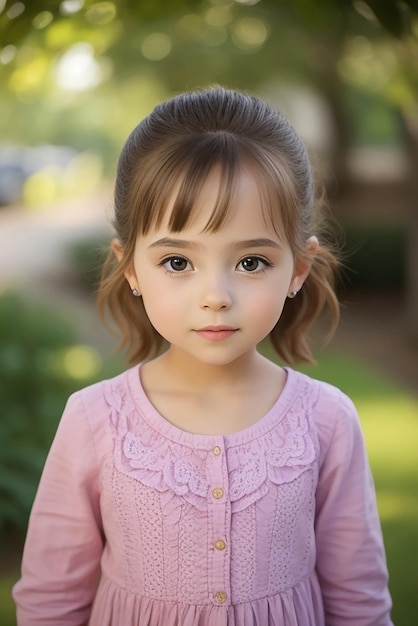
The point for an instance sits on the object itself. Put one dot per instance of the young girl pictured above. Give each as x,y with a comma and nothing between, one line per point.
207,486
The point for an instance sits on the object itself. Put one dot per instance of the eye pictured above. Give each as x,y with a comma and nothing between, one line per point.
176,264
253,264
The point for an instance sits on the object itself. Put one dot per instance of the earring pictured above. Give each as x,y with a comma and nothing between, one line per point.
292,294
135,292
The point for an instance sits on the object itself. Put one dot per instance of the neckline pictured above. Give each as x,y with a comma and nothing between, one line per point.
162,425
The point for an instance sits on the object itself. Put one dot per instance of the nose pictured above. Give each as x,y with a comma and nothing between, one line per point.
216,294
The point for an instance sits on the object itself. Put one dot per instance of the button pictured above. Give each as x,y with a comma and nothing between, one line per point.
218,493
216,450
221,597
220,544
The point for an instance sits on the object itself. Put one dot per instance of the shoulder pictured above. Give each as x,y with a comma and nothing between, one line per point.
333,413
101,393
92,407
326,400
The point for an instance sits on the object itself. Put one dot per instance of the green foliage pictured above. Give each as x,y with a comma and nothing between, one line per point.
15,29
374,256
34,386
393,15
206,42
372,121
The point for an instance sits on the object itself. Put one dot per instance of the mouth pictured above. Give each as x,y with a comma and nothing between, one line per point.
216,333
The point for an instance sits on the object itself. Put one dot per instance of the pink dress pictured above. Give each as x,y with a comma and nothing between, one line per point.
138,523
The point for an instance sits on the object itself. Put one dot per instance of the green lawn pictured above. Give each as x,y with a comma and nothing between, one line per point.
7,611
389,417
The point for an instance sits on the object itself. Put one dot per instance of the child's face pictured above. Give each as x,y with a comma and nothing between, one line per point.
215,296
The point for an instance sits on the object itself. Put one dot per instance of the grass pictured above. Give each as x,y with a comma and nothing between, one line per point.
389,418
7,610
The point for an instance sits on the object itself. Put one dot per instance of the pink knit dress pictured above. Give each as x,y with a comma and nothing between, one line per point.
138,523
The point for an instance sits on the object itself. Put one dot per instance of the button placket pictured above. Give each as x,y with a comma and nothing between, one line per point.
219,512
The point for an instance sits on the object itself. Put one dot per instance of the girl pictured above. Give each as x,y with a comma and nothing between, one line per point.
207,486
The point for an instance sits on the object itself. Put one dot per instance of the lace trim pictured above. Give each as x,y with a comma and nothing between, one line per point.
279,456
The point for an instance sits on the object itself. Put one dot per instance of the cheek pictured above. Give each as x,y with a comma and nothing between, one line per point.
266,305
161,302
272,293
270,308
155,300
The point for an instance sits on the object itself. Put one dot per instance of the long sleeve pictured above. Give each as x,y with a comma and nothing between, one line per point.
61,561
351,561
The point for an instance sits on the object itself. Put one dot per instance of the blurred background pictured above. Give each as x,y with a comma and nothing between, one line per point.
75,77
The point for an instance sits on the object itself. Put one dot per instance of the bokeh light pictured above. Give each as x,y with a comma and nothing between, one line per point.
156,46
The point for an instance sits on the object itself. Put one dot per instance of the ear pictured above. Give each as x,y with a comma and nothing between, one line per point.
303,266
129,272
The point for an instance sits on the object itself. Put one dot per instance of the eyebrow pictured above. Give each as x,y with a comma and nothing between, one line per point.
258,243
168,242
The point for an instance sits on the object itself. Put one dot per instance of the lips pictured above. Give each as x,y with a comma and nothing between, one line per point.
216,333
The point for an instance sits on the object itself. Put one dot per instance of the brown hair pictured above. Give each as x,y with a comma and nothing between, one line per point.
183,139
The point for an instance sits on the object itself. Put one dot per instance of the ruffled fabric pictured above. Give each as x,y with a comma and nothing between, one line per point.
299,606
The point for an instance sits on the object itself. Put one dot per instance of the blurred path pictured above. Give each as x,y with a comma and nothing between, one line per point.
33,259
34,242
34,247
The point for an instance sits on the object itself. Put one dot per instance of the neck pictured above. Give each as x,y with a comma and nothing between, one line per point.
211,399
179,370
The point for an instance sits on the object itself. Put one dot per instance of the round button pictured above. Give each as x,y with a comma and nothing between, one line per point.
221,597
216,450
218,493
220,544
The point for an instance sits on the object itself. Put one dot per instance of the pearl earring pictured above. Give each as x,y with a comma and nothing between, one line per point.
292,294
135,292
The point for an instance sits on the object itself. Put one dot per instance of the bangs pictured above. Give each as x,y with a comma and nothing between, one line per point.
220,151
182,173
183,170
288,213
